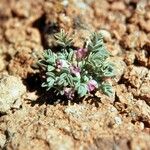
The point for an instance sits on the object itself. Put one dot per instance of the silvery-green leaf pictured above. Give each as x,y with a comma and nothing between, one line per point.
107,89
63,75
82,90
65,70
62,92
50,74
63,39
85,78
96,41
70,56
49,79
50,82
50,68
61,56
44,84
80,64
70,79
108,69
48,53
51,60
65,83
60,81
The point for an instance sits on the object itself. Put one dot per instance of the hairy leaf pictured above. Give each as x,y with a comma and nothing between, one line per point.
107,70
63,39
82,90
50,68
107,89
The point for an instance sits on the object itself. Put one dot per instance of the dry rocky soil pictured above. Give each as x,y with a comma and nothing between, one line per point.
32,120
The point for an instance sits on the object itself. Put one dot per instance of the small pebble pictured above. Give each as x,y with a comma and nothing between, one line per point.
118,120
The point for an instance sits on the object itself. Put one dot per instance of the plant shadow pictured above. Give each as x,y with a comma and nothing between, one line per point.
49,98
33,84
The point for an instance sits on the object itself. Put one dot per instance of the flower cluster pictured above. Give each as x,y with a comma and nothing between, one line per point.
80,71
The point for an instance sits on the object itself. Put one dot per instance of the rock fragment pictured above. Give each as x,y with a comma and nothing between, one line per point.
134,75
11,91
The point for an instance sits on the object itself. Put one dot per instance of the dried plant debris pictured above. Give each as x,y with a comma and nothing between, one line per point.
72,72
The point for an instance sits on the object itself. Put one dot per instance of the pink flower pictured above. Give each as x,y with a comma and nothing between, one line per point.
61,63
92,85
81,53
69,92
75,70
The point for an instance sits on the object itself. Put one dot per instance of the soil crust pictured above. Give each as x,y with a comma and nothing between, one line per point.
29,119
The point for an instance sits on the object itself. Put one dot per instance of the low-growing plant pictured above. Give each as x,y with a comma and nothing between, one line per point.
79,71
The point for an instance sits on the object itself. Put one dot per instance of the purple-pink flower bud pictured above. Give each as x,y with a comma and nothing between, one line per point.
81,53
69,92
60,63
75,70
92,85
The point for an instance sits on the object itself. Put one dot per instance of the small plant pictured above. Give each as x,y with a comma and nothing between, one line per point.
77,72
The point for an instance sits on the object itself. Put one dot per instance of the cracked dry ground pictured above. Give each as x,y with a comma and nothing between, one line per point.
97,123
